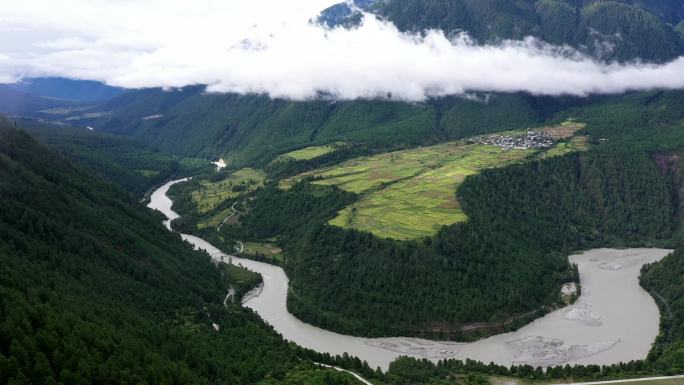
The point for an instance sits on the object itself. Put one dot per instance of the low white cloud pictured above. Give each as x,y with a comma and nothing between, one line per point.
269,46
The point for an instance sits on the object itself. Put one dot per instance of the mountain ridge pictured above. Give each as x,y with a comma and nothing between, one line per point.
618,30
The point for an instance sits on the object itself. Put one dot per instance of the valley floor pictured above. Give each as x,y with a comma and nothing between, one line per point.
598,329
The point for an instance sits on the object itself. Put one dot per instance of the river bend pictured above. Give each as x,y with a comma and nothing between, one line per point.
614,319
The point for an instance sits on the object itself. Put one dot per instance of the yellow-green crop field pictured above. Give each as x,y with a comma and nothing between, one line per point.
411,194
267,249
216,219
148,173
308,153
211,194
420,203
576,143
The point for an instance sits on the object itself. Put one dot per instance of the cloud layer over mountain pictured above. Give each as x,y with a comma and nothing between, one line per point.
269,46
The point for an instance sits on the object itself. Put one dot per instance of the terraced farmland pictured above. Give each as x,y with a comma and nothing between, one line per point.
412,193
307,153
268,250
216,219
211,194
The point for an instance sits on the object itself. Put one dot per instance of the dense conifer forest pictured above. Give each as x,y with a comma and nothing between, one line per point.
580,201
126,162
663,280
506,263
95,290
507,260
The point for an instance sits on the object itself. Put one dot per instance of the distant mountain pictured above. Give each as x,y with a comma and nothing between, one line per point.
15,102
61,88
620,30
347,14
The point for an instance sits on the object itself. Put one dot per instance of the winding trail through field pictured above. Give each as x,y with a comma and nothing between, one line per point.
613,310
232,207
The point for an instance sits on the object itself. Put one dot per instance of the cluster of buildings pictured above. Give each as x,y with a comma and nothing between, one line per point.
529,139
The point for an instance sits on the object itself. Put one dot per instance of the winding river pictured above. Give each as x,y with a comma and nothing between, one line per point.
614,319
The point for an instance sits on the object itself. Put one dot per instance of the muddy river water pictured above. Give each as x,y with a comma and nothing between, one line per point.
614,319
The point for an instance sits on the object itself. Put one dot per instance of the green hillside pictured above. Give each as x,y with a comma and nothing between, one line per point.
408,194
254,130
507,260
126,162
248,129
94,290
390,218
664,281
514,242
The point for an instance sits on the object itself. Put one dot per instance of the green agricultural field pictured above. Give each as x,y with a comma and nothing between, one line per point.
211,194
411,194
148,173
216,219
576,143
307,153
420,203
267,249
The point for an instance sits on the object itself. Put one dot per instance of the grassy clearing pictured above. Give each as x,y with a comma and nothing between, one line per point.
565,130
574,144
193,163
215,220
411,194
239,275
211,194
307,153
242,280
267,249
148,173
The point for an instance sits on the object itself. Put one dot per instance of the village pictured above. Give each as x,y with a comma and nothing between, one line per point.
527,140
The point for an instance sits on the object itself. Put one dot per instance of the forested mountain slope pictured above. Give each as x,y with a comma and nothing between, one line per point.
621,30
94,290
508,259
126,162
665,281
253,130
